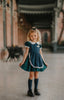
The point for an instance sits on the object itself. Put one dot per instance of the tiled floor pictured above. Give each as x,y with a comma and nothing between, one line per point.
13,80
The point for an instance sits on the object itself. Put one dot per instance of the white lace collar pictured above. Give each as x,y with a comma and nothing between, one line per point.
34,42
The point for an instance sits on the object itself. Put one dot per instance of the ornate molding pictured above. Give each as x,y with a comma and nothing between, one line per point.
36,9
34,12
36,6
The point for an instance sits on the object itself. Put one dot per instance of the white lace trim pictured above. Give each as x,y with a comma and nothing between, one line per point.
32,64
34,42
27,46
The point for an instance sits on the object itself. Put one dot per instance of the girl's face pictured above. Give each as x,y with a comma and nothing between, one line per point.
33,36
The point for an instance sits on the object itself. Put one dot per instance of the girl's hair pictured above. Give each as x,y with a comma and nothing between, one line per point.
36,31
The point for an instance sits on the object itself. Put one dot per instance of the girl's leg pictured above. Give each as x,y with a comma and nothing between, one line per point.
31,75
36,76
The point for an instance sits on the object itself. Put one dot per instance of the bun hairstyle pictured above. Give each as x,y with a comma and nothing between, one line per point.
34,29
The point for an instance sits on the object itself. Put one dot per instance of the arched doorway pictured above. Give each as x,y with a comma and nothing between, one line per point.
45,38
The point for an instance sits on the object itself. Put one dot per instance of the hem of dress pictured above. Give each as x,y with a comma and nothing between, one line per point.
31,70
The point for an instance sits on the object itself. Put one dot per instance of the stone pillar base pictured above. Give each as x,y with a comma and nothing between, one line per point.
54,46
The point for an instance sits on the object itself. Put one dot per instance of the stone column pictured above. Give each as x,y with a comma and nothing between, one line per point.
11,12
54,24
4,23
55,32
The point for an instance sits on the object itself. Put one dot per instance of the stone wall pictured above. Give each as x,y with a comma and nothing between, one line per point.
19,33
1,27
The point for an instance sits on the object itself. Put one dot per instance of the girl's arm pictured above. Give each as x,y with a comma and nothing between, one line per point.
42,56
25,55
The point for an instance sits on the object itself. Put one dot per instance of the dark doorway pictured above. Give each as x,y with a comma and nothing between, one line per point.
45,37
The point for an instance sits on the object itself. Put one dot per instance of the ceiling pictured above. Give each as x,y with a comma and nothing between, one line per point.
36,6
36,2
40,20
38,12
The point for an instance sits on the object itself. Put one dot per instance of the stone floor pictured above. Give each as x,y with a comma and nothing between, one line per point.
13,80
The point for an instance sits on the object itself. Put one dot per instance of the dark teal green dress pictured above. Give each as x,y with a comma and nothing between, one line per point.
34,61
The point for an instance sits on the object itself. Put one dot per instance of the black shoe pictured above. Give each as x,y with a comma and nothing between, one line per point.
36,92
29,93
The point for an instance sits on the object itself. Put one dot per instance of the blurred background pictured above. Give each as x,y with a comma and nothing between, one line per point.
18,16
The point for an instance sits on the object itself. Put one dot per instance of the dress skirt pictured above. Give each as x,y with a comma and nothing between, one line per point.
28,67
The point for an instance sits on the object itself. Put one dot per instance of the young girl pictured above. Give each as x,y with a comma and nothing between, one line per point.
33,60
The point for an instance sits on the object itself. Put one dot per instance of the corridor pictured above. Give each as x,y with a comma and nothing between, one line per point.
13,80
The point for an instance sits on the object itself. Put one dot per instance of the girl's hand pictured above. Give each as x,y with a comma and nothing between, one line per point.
45,63
20,64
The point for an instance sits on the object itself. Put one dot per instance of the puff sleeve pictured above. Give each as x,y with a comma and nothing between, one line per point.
40,46
27,44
